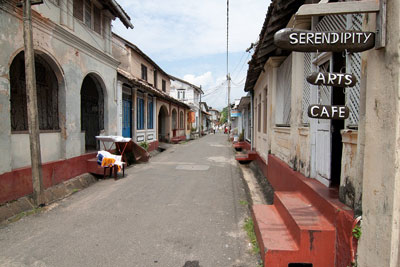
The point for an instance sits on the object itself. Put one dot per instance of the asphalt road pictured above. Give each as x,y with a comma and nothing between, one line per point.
180,209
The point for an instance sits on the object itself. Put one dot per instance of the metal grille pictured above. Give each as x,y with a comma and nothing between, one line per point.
307,88
327,23
339,23
354,22
324,92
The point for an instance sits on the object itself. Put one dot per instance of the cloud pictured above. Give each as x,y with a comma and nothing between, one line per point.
204,80
180,29
188,39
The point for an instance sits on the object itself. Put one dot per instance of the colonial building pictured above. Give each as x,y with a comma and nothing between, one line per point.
205,118
76,84
146,110
189,94
244,125
325,173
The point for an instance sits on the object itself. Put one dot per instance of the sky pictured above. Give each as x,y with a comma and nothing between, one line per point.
188,39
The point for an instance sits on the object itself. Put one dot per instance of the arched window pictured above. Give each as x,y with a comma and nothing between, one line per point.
174,119
181,121
47,94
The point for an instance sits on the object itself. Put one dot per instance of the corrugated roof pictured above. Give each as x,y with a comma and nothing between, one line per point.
278,15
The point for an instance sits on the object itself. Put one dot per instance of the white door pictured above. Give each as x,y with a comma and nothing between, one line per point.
323,137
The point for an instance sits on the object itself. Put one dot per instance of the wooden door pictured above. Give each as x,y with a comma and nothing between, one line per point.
323,131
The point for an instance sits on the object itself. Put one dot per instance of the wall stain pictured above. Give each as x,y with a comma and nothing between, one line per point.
347,192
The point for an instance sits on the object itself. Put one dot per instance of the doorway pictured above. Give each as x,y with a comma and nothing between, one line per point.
92,110
163,124
328,139
126,115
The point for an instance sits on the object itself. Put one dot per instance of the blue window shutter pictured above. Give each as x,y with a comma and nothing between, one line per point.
137,114
140,114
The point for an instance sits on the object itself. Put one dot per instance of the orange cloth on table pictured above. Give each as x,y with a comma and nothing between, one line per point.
109,162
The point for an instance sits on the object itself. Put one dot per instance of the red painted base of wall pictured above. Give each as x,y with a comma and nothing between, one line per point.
177,139
18,183
324,199
153,146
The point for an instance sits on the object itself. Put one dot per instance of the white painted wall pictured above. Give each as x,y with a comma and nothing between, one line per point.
49,146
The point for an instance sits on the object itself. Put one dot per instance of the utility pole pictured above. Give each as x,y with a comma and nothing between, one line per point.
31,96
229,99
200,122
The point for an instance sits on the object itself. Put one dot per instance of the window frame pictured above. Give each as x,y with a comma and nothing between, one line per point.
144,72
164,85
181,120
83,17
155,79
140,113
150,113
265,110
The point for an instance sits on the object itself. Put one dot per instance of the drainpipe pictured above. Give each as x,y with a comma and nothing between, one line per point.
252,119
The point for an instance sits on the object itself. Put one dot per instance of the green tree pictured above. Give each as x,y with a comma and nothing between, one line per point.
224,115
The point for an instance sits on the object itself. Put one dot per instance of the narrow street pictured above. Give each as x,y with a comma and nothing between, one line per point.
181,207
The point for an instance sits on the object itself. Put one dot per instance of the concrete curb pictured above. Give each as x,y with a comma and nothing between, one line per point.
16,207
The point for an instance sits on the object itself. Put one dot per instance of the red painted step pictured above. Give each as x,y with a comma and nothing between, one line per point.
310,229
246,156
293,231
271,229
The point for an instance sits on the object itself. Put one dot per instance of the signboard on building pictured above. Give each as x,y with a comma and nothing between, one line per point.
313,41
328,112
235,114
332,79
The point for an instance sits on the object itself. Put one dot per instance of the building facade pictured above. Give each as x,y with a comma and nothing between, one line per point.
330,165
189,94
147,112
76,82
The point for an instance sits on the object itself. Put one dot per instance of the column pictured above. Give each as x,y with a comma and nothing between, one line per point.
119,108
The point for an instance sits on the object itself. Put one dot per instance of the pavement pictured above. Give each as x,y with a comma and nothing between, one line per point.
183,208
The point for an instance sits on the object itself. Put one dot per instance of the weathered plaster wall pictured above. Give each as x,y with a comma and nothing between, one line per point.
63,14
350,183
71,61
379,244
135,68
50,144
299,138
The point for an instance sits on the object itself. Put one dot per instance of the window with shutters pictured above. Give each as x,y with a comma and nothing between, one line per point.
181,121
164,85
87,12
283,93
78,9
47,95
97,19
265,110
144,72
155,79
140,113
259,114
150,119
